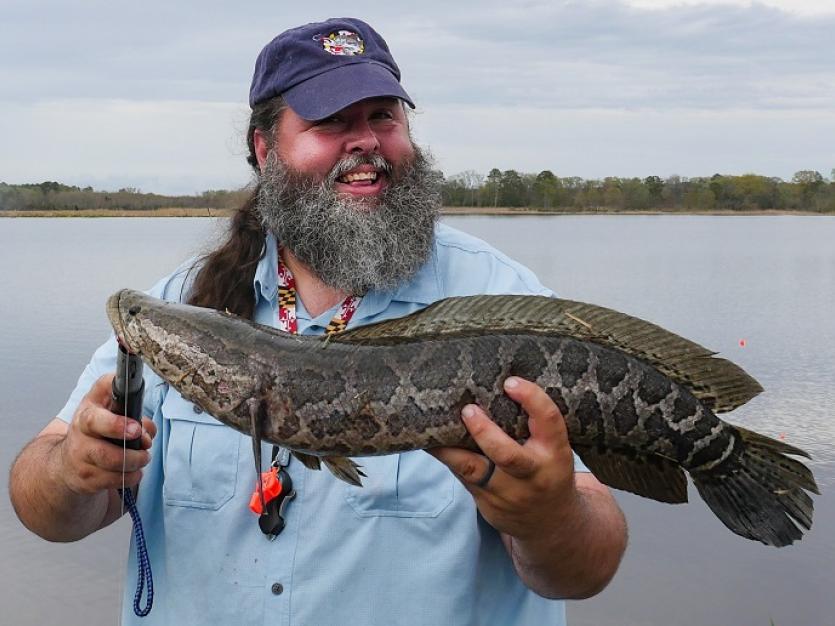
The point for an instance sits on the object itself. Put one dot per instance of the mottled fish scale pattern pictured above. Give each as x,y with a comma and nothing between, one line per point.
386,399
389,389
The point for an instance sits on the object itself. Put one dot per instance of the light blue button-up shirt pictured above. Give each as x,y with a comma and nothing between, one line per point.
406,548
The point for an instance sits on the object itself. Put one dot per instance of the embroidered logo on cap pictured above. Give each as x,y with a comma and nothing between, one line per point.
342,43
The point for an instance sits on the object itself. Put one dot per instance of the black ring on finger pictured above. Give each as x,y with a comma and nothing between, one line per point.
488,474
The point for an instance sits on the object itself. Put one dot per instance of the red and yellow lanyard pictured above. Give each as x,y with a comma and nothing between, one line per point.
275,488
287,305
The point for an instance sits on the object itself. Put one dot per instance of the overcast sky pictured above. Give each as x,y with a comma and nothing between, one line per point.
154,94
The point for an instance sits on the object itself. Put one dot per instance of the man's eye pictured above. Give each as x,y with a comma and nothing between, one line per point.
384,115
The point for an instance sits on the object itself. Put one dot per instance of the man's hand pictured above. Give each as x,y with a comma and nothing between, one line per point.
532,482
565,534
90,463
63,484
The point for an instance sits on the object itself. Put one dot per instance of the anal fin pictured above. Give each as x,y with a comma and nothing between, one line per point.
345,469
342,467
651,477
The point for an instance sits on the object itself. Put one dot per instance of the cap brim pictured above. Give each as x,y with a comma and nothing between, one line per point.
323,95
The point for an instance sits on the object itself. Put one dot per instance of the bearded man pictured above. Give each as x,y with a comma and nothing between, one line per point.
341,230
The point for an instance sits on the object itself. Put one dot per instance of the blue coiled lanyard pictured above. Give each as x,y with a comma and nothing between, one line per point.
129,403
144,575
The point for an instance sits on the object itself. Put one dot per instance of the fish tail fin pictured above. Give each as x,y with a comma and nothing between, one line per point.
762,495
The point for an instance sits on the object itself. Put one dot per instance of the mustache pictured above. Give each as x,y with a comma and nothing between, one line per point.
354,161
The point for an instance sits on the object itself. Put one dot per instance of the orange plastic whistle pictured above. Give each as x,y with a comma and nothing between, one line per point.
272,489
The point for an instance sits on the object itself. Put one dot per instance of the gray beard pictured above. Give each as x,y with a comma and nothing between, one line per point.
350,245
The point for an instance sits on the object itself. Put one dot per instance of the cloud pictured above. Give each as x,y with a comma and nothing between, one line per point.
595,143
610,55
554,54
802,7
156,91
163,146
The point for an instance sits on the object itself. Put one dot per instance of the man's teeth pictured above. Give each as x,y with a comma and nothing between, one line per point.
349,178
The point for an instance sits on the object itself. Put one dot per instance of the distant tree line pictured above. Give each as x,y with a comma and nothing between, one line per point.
808,190
48,196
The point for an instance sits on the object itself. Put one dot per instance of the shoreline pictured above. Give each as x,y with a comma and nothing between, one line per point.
604,211
446,211
167,212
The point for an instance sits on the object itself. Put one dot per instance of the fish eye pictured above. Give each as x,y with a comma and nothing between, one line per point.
135,309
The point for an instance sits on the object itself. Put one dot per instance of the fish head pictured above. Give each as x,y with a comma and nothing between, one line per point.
127,311
202,353
151,328
158,329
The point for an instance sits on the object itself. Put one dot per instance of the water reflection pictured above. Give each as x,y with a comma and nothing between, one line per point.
770,281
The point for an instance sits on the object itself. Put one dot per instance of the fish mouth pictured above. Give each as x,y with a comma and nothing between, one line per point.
115,314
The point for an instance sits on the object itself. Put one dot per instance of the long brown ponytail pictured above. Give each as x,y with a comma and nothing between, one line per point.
225,275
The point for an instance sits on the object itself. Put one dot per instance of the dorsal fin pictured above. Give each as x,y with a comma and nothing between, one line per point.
718,383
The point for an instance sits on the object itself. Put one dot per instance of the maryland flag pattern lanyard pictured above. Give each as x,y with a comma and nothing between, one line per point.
287,305
275,488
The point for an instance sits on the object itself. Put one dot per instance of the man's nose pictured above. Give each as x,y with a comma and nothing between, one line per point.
362,139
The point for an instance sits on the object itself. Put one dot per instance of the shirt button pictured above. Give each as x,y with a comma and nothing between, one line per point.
277,589
196,408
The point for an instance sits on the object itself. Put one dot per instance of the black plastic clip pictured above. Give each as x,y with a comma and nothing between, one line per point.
271,521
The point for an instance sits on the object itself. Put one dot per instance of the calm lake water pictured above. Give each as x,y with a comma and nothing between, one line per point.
760,290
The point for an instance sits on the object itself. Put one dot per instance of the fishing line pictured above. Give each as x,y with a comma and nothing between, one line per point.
124,439
124,565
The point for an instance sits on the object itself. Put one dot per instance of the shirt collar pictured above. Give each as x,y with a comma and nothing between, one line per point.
266,274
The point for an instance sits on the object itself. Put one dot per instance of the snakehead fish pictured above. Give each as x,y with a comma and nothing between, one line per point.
639,402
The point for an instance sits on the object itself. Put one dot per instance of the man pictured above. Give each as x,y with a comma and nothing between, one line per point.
341,229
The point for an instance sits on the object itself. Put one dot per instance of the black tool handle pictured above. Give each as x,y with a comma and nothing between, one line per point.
127,391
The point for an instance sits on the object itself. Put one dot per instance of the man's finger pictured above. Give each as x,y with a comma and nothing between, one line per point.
150,427
505,452
101,391
470,467
148,433
110,480
111,458
546,423
98,422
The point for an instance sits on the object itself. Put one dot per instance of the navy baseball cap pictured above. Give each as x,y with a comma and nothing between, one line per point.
323,67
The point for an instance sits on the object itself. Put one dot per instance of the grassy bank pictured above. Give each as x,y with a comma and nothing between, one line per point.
609,211
167,212
208,212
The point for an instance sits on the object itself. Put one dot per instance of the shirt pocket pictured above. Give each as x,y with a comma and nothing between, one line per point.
201,457
411,484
